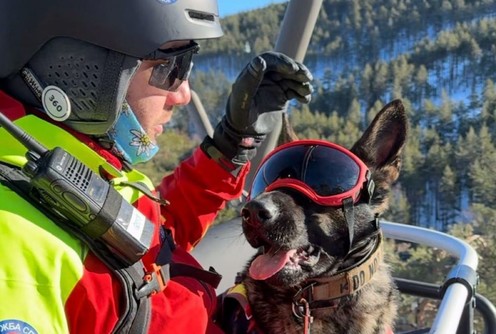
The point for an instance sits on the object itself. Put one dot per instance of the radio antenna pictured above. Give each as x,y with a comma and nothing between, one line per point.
22,136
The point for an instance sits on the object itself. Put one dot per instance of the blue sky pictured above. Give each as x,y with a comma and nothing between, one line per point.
229,7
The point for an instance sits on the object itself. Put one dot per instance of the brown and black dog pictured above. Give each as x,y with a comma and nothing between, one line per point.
326,285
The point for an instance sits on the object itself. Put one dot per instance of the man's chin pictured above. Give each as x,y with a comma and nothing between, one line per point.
157,131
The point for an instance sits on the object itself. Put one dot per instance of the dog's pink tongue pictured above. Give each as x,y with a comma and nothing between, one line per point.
266,265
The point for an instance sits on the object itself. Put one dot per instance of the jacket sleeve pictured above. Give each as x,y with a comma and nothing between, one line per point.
197,190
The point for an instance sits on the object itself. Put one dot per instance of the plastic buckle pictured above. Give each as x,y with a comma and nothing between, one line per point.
154,281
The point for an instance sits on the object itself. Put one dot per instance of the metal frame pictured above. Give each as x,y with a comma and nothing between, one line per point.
456,292
428,290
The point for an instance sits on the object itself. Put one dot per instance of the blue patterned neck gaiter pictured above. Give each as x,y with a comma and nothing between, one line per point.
131,142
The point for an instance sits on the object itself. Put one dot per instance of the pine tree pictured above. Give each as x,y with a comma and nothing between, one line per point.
448,198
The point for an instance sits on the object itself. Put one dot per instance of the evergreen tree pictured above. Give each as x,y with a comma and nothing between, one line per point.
448,198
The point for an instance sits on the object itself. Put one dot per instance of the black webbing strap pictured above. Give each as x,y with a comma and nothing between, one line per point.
165,268
209,276
349,215
136,311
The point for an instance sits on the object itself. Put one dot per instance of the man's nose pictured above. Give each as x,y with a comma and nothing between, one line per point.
181,96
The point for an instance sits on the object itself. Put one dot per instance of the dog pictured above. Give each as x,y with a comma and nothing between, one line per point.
320,267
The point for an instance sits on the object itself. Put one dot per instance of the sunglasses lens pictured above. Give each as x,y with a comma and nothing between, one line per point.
325,170
170,74
161,75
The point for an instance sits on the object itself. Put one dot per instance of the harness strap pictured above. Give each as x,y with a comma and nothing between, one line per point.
175,269
164,269
209,276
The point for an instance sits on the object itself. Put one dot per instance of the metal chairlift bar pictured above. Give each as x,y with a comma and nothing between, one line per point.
433,291
432,238
450,308
297,27
488,312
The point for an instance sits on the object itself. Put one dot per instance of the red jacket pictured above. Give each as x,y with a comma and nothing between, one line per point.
197,190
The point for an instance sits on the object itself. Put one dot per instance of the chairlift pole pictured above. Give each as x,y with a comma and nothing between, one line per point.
297,27
294,36
199,116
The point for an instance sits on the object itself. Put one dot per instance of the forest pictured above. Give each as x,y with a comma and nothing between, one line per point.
438,56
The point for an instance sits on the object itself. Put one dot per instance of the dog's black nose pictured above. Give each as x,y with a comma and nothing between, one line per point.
255,212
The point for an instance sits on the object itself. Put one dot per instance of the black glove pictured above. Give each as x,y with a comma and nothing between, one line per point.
259,93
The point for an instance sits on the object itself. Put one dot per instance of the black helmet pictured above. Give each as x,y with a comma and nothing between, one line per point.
91,48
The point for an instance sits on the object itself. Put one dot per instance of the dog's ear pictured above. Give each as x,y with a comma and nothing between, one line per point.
287,132
380,148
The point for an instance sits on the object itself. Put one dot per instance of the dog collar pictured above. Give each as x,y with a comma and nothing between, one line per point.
342,284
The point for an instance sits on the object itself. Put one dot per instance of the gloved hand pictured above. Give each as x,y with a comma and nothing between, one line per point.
258,95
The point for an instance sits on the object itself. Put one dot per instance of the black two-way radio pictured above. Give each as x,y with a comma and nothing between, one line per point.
71,190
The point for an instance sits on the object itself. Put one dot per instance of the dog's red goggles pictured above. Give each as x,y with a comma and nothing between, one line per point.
324,172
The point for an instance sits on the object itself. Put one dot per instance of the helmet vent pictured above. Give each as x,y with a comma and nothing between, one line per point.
78,76
201,16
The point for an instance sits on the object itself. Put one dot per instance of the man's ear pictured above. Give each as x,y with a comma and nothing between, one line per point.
380,148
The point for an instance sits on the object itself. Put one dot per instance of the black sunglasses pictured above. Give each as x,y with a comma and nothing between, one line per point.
175,66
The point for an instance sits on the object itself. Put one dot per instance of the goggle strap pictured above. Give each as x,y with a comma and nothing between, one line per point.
370,186
376,222
349,215
367,191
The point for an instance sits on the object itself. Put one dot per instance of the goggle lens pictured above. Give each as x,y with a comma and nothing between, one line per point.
324,172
